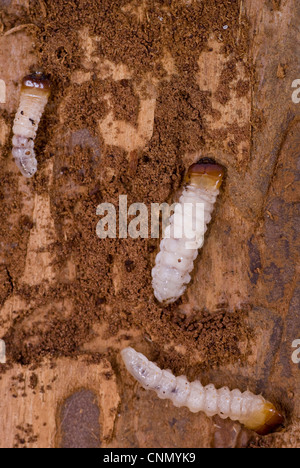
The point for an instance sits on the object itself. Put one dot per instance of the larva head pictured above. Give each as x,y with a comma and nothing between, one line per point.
206,174
270,420
36,84
273,421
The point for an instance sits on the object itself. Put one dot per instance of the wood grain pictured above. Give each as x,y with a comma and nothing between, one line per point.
34,421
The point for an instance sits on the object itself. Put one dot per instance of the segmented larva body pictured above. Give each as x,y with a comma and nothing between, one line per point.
175,261
35,92
251,410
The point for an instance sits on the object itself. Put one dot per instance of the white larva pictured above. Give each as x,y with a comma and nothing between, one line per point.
35,92
2,352
175,261
251,410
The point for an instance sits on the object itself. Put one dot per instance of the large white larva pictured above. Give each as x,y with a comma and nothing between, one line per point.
35,92
251,410
175,261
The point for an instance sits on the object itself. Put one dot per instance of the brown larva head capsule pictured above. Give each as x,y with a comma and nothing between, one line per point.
37,83
274,421
206,174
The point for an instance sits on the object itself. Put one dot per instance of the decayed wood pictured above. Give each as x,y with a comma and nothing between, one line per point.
30,411
247,265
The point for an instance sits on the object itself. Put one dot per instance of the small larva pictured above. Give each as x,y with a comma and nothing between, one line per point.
2,352
251,410
174,262
35,92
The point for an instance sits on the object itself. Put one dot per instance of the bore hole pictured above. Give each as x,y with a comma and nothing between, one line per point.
206,161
